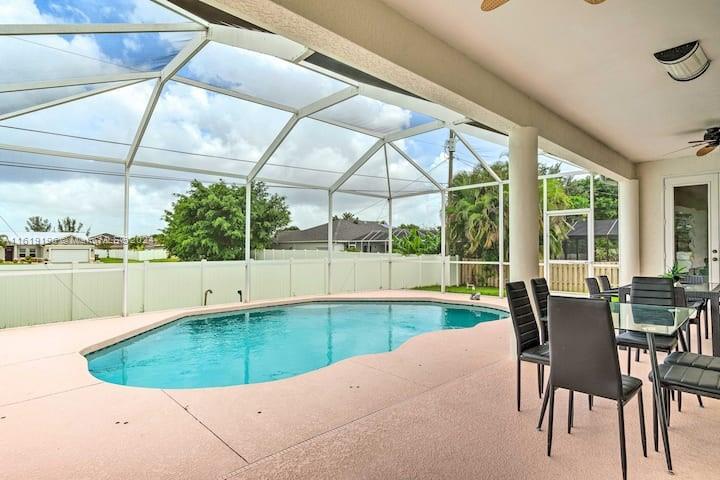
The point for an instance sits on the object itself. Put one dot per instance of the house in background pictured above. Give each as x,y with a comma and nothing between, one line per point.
575,246
108,245
358,236
53,247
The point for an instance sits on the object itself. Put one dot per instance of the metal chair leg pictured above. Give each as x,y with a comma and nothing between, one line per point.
707,325
550,421
571,411
641,409
637,355
699,337
655,425
629,359
679,401
590,402
544,407
621,426
539,380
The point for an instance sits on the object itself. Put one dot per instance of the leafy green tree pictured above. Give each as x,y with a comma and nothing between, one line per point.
37,224
136,243
208,222
71,225
417,242
350,217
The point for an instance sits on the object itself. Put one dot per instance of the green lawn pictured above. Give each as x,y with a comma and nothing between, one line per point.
120,260
494,291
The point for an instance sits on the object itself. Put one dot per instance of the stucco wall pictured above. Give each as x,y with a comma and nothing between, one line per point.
651,176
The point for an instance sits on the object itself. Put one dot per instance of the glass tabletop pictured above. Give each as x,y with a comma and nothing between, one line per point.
701,287
642,318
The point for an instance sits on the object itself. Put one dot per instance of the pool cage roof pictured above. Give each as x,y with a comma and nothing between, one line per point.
205,100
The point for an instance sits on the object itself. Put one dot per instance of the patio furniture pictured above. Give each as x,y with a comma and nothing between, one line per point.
604,282
649,291
709,291
674,377
540,294
585,359
529,347
594,289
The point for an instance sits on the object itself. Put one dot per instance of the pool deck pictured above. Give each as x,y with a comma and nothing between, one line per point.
440,406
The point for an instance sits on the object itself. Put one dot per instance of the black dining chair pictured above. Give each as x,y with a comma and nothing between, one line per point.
700,306
527,335
649,291
541,291
585,359
604,283
593,286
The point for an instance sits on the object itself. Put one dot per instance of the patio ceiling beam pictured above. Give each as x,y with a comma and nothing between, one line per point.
60,153
417,166
475,185
72,82
256,41
356,166
166,74
416,194
477,157
232,93
92,28
346,126
70,98
321,104
363,193
418,130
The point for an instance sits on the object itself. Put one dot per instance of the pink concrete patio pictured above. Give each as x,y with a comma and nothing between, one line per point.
441,406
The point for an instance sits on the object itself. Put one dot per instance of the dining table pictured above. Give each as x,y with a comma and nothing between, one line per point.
705,290
652,320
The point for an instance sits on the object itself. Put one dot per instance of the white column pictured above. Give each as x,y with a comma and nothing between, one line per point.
629,229
524,241
248,220
329,243
126,226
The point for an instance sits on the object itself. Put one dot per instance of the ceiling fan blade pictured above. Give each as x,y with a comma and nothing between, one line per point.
679,150
594,2
706,149
488,5
697,141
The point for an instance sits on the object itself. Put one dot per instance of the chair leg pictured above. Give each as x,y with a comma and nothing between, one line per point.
550,421
655,424
667,406
699,337
629,359
707,325
544,407
679,401
518,384
700,402
590,402
689,338
637,355
621,426
571,411
641,409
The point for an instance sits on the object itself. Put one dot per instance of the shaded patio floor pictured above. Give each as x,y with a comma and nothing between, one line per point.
441,406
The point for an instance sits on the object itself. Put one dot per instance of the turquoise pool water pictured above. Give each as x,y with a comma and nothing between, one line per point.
261,345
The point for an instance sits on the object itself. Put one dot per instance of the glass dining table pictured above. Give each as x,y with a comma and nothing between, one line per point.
652,320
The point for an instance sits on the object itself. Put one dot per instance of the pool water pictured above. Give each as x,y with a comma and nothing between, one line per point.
261,345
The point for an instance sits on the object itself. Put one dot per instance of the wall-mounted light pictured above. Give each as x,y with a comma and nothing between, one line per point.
684,62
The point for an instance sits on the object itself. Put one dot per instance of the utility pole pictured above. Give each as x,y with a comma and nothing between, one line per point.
450,145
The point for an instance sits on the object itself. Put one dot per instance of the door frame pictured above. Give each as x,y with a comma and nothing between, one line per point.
712,180
590,242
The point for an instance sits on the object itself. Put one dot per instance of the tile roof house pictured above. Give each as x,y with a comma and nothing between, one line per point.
361,235
53,247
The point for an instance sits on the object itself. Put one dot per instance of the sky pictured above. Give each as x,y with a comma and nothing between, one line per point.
203,129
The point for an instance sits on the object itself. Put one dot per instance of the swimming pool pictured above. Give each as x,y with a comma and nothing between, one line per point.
261,345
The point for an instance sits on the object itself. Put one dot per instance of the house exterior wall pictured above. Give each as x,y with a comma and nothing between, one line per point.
651,176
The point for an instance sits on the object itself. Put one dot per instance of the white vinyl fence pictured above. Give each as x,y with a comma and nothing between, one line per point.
36,294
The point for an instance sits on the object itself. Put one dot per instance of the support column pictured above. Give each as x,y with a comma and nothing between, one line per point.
126,226
248,246
524,233
390,242
329,243
443,230
629,229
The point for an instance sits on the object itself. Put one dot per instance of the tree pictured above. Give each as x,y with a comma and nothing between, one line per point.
37,224
417,242
70,225
350,217
136,243
208,222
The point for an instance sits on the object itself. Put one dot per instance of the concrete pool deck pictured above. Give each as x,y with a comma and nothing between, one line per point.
440,406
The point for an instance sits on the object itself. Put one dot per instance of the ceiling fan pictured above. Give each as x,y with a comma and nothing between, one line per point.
488,5
710,141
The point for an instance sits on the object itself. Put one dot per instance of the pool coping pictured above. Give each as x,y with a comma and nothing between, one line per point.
174,315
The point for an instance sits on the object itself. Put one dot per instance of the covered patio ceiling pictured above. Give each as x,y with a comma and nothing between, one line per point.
159,91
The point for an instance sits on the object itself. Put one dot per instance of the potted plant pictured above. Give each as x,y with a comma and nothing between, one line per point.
676,272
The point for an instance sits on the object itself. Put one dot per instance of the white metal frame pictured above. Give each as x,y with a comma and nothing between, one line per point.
287,50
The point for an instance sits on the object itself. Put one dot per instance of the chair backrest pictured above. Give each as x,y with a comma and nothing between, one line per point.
694,279
523,318
592,286
540,292
604,282
652,291
583,352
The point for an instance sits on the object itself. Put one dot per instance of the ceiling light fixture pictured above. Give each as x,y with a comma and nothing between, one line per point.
684,62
